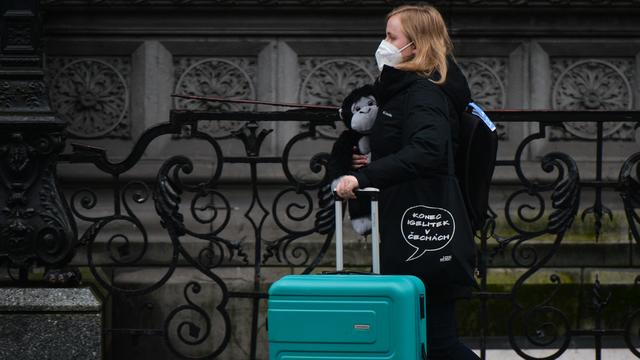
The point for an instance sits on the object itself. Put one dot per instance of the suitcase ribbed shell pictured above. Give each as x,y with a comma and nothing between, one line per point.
363,317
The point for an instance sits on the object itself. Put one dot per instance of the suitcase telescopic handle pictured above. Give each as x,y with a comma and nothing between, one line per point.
372,193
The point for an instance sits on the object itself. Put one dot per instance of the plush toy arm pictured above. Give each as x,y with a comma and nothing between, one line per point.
338,166
360,214
340,160
361,225
325,216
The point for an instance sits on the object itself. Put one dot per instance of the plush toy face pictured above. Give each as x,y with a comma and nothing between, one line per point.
364,112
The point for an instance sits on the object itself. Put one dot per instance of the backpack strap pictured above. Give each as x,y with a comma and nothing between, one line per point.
477,111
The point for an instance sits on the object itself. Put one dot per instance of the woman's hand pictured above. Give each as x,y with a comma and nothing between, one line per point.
346,187
358,160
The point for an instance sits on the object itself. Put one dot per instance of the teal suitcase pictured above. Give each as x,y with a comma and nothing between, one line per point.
347,316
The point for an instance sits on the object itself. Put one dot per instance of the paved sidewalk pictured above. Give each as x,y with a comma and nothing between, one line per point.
570,354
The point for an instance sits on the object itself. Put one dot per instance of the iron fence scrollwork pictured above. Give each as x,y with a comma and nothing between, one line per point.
199,329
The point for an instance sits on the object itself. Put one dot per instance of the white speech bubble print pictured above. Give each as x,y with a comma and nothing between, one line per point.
427,228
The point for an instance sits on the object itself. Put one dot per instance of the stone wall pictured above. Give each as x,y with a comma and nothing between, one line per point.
127,60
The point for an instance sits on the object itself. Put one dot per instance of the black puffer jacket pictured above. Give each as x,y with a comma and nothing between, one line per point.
415,120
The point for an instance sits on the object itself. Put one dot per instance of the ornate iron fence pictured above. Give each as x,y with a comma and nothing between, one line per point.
186,207
544,324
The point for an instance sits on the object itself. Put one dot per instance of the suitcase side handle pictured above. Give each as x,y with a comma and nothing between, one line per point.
372,193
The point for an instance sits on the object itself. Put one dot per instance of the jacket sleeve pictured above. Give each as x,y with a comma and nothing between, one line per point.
425,137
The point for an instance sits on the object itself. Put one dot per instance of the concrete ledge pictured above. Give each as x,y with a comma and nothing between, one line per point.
50,323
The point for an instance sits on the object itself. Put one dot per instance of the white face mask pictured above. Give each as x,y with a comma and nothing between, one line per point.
389,55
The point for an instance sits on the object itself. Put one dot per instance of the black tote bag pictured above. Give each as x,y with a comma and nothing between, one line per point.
426,232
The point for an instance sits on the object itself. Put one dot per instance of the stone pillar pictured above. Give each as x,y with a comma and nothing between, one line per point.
287,82
45,323
35,226
151,87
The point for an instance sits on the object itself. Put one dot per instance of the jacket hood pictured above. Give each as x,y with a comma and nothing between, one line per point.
392,81
456,87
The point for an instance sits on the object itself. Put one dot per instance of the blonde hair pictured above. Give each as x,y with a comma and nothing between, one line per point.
424,26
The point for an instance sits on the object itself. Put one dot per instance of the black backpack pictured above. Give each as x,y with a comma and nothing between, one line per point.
475,161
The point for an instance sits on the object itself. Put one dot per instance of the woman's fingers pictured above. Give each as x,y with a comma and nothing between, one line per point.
346,186
358,161
341,189
353,182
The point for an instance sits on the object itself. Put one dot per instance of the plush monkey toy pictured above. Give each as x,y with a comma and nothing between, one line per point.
358,112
